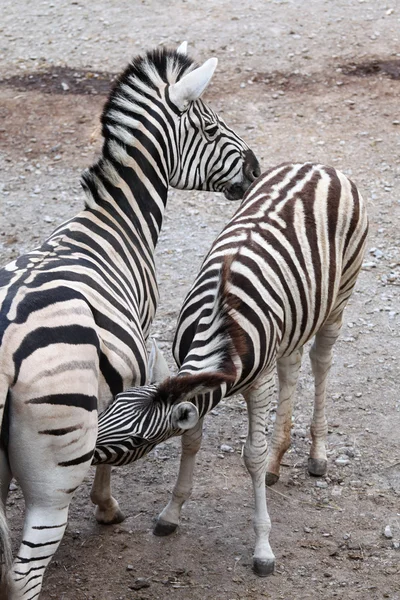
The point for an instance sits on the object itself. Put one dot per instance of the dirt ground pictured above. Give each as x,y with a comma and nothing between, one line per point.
299,81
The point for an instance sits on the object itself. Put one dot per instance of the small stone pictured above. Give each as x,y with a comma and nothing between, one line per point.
139,584
65,86
13,487
366,266
226,448
48,219
336,491
129,567
356,483
388,532
307,529
396,545
321,484
342,461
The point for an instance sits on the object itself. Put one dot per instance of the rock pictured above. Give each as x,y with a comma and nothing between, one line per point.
226,448
321,484
396,545
342,461
139,584
388,532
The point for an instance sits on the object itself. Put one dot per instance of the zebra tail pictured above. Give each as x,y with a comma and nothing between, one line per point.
5,542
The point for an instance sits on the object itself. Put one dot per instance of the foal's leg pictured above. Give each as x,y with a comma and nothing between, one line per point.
321,360
258,399
168,520
288,372
107,510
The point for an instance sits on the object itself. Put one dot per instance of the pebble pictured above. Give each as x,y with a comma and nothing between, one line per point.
366,266
342,461
321,484
139,584
396,545
388,532
356,483
226,448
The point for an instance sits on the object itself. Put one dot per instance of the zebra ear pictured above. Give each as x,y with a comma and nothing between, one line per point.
182,49
192,85
184,416
158,367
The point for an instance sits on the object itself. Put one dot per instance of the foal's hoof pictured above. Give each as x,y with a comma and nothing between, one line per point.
317,466
104,519
263,568
271,478
163,528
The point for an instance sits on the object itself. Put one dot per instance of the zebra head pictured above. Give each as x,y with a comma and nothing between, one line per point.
141,417
209,155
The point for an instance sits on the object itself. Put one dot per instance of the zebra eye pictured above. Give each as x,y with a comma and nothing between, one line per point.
211,130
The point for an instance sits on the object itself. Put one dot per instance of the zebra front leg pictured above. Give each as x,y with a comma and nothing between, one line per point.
321,361
107,511
168,520
288,371
258,399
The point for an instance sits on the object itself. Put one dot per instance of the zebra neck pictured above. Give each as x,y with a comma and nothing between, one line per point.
125,183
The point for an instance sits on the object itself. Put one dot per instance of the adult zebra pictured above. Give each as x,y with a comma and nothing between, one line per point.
75,313
279,273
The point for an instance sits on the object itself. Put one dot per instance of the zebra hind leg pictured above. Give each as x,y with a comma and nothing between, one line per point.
258,399
47,500
168,519
288,372
107,511
321,361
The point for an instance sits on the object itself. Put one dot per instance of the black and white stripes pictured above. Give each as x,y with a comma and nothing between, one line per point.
279,273
76,312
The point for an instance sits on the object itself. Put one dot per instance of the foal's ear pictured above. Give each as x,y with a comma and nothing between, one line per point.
184,415
158,367
192,85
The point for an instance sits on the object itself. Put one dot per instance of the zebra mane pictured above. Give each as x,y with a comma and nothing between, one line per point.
143,77
153,69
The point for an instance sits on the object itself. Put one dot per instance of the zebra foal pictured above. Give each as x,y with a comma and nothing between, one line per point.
76,312
279,274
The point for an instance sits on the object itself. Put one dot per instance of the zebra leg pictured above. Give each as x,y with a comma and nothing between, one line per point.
288,371
107,511
168,520
48,487
321,360
258,399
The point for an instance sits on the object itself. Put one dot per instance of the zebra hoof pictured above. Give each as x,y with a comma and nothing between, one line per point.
163,528
263,568
271,478
103,519
317,466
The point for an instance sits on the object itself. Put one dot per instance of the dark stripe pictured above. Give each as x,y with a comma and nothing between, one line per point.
77,461
84,401
48,527
45,336
63,431
23,560
33,545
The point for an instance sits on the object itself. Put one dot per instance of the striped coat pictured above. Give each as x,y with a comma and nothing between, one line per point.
75,313
279,274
